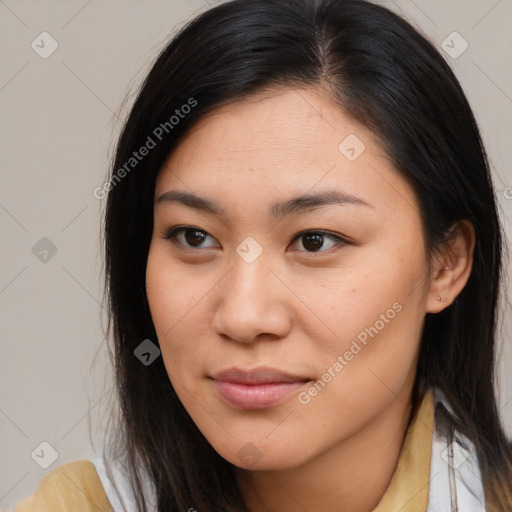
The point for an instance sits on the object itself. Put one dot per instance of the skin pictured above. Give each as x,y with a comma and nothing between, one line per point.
295,308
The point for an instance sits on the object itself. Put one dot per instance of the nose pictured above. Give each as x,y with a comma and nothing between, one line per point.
253,303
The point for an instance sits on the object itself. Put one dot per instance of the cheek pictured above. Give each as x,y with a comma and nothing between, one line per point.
176,297
377,315
372,358
168,297
374,296
170,291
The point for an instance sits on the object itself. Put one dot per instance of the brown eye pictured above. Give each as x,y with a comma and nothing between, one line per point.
188,237
194,237
315,241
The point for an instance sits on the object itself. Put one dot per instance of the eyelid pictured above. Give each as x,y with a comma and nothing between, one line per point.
171,234
341,241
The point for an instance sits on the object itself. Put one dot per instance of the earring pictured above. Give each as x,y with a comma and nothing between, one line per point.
443,299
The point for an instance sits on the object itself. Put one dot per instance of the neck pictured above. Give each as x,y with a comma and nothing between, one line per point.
352,475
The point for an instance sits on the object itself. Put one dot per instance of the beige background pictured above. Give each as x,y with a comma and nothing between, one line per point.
59,122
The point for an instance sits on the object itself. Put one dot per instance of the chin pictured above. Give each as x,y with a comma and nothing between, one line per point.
262,455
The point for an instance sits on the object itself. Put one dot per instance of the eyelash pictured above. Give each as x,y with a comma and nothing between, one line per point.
173,233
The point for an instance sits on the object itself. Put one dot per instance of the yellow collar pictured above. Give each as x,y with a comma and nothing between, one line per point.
409,485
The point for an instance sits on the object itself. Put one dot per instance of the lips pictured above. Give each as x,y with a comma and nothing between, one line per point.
258,388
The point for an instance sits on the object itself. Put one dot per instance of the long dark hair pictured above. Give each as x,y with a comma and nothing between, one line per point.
392,80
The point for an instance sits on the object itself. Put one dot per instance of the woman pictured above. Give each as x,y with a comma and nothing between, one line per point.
303,261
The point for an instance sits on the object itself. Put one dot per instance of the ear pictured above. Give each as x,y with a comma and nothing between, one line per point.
452,267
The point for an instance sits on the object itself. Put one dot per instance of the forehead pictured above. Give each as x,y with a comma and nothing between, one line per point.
293,123
277,141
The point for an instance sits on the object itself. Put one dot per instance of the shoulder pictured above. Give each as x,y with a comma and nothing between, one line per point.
72,486
454,464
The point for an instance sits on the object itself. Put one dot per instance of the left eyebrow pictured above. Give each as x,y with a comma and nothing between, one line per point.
305,202
293,206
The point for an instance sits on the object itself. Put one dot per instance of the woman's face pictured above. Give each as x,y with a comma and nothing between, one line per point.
328,322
